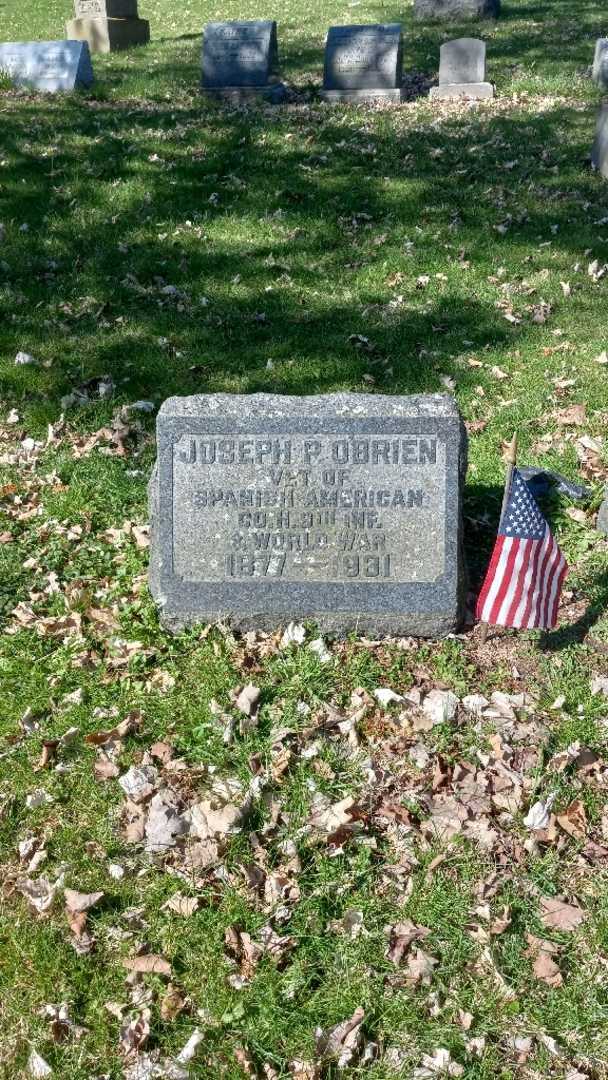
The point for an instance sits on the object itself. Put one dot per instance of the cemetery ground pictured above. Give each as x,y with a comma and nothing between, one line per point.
430,868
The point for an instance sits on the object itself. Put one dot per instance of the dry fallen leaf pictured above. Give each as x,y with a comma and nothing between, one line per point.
557,915
420,968
341,1043
544,967
333,817
574,820
77,902
148,963
172,1003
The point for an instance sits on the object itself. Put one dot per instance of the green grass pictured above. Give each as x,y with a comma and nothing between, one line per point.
285,231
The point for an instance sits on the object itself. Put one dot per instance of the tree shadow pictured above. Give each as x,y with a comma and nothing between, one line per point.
223,303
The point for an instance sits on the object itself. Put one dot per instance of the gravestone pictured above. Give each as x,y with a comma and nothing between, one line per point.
600,63
456,9
240,60
462,70
363,63
599,153
47,65
342,508
108,25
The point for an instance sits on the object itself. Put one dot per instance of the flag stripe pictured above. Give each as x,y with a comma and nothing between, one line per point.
491,584
504,584
521,615
527,569
523,560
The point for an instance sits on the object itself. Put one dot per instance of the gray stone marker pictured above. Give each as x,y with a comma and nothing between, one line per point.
456,9
462,70
47,65
600,63
240,60
363,63
599,153
108,25
342,508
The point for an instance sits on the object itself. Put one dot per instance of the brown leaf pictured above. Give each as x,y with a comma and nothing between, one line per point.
556,915
162,751
420,968
574,820
402,935
134,1034
104,768
172,1003
342,1041
333,817
574,415
544,967
48,754
148,963
182,905
77,902
247,952
133,822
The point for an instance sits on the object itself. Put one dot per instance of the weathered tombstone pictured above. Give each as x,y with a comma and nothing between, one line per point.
599,153
456,9
240,60
600,63
363,63
47,65
462,70
343,508
108,25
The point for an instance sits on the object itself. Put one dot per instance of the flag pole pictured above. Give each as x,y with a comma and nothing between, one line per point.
511,460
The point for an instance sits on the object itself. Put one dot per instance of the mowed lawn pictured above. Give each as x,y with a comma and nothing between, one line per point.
350,885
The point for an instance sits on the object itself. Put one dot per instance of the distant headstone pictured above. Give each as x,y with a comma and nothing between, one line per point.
599,153
108,25
363,63
240,60
600,63
47,65
343,508
462,70
456,9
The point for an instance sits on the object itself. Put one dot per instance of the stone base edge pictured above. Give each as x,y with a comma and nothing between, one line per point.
481,91
274,93
339,624
354,96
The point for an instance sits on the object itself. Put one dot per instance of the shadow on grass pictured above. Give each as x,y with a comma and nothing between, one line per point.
272,220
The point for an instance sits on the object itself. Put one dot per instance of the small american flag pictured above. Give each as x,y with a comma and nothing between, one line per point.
527,569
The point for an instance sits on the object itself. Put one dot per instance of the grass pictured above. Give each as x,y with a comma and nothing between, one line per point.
285,231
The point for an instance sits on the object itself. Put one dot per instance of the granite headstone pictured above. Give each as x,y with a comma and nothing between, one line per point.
47,65
600,63
462,70
342,508
363,63
456,9
108,25
240,60
599,153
